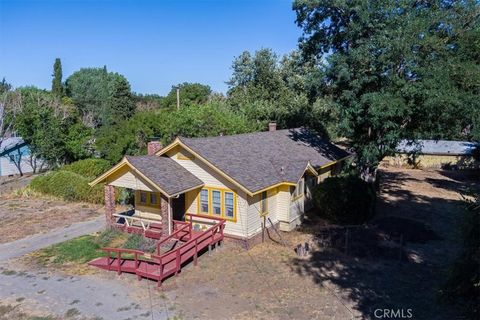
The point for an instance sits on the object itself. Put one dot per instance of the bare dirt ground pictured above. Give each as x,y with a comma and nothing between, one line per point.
23,215
271,282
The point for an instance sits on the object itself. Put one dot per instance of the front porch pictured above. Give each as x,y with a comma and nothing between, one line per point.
137,223
158,184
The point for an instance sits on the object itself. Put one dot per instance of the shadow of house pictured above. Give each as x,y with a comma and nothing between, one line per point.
377,282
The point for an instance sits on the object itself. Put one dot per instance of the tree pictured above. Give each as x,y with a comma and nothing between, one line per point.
131,136
394,69
101,97
57,86
190,93
266,88
5,86
38,126
120,105
55,136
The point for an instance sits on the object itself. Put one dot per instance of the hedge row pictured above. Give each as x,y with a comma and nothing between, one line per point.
90,168
69,186
70,182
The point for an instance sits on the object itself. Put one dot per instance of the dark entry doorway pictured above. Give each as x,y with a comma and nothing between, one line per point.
178,208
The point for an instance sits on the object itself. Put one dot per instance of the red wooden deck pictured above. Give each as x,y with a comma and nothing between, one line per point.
160,265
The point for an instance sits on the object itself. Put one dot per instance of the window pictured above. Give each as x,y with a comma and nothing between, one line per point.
204,201
228,202
143,197
148,199
216,202
153,198
264,203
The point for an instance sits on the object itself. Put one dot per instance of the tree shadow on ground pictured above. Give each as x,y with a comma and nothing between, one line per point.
380,281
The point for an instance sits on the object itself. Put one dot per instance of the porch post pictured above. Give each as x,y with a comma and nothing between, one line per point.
164,212
109,204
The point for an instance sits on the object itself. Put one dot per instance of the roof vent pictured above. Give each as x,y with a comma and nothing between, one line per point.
272,126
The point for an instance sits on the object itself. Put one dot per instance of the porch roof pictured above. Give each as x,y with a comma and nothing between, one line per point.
164,172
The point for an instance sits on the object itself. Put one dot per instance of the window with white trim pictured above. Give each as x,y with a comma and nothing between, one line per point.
217,202
204,201
229,205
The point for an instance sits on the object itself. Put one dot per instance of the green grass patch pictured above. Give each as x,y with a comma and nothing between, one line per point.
82,249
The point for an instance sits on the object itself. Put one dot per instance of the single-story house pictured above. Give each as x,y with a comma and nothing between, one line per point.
250,180
439,154
15,157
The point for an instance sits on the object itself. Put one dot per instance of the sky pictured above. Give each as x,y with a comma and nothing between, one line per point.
154,44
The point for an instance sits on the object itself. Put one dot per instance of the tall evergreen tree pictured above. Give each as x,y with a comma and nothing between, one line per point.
57,86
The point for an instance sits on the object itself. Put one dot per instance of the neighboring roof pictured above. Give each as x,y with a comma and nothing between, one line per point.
437,147
262,159
171,177
8,144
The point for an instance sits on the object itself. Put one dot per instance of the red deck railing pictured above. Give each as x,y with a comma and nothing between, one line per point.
159,266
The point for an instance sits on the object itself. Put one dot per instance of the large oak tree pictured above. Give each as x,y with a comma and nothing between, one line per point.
395,69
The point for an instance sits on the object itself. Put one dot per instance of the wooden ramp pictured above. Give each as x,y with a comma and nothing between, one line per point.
160,265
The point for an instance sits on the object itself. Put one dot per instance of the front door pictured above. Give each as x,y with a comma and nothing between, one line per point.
178,208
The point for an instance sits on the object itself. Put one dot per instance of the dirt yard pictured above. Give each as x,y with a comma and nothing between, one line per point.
23,215
271,282
422,208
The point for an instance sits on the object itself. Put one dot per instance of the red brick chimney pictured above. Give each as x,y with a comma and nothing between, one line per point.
272,126
153,147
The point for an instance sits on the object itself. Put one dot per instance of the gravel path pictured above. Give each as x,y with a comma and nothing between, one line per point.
75,296
29,244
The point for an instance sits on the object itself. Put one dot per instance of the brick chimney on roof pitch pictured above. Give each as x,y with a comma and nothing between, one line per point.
153,147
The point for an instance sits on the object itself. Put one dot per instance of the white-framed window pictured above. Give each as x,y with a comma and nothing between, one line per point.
204,201
217,202
229,205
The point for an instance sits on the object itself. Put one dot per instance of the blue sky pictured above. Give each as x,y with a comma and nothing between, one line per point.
155,44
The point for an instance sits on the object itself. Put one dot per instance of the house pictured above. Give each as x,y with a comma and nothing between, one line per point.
15,157
438,154
249,180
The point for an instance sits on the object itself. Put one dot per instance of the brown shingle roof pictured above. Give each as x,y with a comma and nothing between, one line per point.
165,173
262,159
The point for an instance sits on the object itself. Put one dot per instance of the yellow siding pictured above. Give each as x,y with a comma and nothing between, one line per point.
283,203
254,219
212,180
432,161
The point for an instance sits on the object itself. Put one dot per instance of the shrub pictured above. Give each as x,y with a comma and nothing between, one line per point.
67,185
89,168
345,200
138,242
